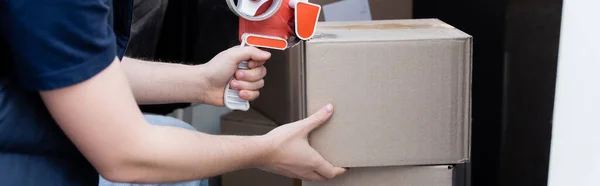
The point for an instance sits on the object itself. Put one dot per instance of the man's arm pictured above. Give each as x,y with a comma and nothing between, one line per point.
100,116
159,83
66,51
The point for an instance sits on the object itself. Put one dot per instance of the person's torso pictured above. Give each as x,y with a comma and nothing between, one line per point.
33,149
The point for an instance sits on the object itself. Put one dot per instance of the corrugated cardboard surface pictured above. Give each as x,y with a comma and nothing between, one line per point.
381,9
250,123
401,90
388,176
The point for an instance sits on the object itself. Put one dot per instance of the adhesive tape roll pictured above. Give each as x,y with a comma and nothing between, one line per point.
269,13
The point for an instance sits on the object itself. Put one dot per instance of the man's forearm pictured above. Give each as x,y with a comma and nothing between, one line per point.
159,83
100,116
168,154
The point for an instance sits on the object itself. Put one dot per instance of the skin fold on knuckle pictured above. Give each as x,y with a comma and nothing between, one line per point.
318,117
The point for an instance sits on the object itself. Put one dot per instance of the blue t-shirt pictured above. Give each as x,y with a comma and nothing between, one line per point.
47,45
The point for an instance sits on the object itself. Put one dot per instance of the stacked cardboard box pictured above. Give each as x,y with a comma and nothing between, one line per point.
253,123
401,90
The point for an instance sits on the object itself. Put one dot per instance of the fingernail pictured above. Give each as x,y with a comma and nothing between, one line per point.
240,74
329,108
234,84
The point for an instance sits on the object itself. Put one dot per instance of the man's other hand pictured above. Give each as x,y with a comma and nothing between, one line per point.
223,66
293,156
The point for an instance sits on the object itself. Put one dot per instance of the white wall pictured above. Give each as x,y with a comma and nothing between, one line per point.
575,151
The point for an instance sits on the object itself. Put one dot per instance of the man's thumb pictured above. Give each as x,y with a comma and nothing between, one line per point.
318,118
248,53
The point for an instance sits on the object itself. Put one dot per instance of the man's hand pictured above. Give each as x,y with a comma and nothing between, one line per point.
222,67
294,157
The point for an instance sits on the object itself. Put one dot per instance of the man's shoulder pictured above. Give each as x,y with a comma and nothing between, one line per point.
53,4
72,39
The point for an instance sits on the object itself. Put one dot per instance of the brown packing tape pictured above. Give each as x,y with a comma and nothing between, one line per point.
380,9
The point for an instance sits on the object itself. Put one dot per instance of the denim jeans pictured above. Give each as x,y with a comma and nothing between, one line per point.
162,121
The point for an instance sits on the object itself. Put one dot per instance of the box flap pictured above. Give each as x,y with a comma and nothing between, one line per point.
385,30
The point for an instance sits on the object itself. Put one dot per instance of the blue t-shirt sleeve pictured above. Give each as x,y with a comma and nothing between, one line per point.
57,43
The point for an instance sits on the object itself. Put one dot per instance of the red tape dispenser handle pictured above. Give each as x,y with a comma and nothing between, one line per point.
268,24
231,98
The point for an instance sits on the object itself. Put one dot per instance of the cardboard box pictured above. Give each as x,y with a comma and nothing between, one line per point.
250,123
401,88
376,9
396,176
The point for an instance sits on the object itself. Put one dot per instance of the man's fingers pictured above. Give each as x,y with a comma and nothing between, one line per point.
244,85
249,95
318,118
251,75
249,53
328,171
339,171
254,63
